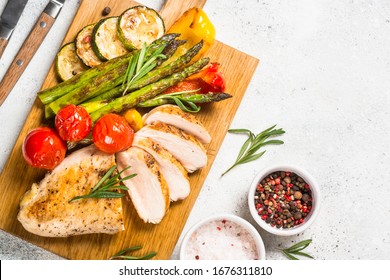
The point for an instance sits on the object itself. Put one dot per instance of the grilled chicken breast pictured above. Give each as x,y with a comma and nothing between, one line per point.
45,209
172,170
183,146
173,115
148,190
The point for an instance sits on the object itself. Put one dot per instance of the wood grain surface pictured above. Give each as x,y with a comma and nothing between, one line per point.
17,177
3,44
25,54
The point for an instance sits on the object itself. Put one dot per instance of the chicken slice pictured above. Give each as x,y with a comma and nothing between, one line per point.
183,146
45,209
148,190
172,170
173,115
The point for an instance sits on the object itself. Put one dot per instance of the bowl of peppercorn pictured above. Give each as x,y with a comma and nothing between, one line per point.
284,200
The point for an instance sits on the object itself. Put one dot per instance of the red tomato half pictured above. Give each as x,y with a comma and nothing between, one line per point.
43,148
112,134
73,123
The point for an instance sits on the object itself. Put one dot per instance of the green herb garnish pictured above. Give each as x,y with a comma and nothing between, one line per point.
181,100
297,250
121,254
254,143
140,65
107,186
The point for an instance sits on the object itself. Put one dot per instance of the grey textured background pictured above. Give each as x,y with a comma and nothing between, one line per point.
323,77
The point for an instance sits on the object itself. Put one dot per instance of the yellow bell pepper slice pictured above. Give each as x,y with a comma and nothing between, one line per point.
194,26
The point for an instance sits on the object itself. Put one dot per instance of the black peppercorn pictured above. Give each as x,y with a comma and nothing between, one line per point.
106,11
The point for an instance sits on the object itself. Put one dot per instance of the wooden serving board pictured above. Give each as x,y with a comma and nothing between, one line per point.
17,177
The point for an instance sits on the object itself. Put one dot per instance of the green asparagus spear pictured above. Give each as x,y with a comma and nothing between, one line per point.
49,95
151,77
186,97
97,85
101,84
131,100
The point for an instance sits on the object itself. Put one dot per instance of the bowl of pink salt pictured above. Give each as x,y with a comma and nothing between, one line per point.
222,237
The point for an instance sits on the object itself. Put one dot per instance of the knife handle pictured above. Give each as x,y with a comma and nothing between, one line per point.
26,52
3,44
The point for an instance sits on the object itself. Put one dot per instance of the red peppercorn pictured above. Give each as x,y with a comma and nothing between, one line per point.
264,217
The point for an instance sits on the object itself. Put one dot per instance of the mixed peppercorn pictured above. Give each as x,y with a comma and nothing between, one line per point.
283,199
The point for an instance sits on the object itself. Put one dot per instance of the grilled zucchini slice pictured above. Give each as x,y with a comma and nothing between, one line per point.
105,40
68,64
84,47
139,25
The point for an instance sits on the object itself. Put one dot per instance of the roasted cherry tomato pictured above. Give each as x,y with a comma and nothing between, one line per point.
73,123
112,134
43,148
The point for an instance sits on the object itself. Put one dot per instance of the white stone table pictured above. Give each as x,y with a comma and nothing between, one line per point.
324,77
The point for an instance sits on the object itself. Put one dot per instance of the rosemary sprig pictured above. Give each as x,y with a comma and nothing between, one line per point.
177,97
297,250
140,65
254,143
121,254
107,186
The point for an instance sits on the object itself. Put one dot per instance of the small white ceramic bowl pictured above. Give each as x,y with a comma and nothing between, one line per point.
228,217
316,200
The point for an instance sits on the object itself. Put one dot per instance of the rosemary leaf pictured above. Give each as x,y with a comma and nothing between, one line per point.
302,254
193,107
141,57
297,250
107,186
241,130
103,179
121,254
146,257
251,158
257,146
124,251
140,64
300,245
254,142
288,255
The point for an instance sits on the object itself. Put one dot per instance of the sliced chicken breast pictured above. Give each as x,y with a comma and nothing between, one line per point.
173,115
148,190
45,209
172,170
183,146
